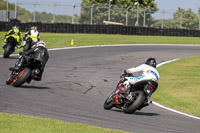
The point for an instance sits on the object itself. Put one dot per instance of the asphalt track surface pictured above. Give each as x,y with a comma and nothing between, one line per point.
76,83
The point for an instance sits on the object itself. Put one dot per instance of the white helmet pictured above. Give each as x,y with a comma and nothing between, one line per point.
33,28
41,43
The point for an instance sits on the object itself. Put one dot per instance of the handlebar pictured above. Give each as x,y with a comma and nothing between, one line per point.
126,75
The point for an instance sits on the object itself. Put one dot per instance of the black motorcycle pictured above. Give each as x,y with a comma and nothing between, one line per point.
136,99
9,48
25,69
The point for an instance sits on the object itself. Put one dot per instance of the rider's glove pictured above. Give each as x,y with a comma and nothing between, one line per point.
125,71
127,74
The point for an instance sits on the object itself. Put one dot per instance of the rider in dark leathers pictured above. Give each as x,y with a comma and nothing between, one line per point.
38,53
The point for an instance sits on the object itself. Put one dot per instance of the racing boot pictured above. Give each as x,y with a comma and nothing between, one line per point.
148,101
38,76
126,89
16,68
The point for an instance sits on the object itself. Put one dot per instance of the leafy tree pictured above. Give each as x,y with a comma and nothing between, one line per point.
190,20
25,16
167,23
118,11
182,18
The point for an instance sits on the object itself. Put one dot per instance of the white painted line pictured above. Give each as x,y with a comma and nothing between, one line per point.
167,62
159,105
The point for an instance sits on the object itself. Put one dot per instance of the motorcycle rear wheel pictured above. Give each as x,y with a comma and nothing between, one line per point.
22,77
132,107
108,103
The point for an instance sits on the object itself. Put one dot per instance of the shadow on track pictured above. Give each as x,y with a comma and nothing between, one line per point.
146,113
34,87
138,113
11,57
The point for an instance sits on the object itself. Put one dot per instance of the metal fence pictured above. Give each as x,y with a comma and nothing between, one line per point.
4,15
90,14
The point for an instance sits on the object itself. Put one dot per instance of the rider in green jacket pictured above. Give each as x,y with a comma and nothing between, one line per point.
14,32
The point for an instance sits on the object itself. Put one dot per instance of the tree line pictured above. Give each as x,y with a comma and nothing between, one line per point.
96,11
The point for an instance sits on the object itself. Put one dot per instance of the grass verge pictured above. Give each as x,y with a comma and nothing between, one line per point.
15,123
179,85
59,40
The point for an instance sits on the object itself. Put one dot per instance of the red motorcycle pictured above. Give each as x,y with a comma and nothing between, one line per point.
137,97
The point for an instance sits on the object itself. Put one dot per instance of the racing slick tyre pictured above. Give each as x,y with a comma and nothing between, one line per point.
22,77
8,81
26,47
136,104
7,51
108,103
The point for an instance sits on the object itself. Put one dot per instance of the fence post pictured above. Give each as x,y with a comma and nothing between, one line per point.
144,17
34,13
181,20
137,22
73,13
16,10
91,14
54,11
163,13
127,9
109,10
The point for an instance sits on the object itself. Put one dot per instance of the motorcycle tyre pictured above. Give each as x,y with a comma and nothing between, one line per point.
8,81
7,51
136,104
22,78
109,105
26,47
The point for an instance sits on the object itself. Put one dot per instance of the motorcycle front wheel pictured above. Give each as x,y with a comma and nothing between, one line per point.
26,47
7,51
131,107
108,103
22,77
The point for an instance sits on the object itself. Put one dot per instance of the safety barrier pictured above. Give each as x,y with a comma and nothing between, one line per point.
99,29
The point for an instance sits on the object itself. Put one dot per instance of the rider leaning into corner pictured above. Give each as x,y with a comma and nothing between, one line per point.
33,34
148,71
14,32
40,53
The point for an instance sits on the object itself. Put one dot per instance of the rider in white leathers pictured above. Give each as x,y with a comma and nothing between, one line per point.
148,72
33,34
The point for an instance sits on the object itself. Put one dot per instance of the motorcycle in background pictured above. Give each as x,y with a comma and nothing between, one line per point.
9,48
28,43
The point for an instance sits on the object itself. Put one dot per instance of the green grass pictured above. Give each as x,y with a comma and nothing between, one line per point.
179,85
59,40
15,123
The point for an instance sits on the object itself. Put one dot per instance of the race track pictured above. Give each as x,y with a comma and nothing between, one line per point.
76,83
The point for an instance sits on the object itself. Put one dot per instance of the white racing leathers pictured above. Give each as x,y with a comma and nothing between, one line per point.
146,73
34,34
